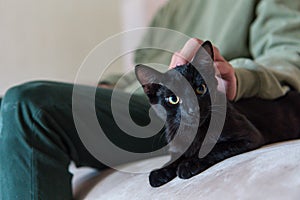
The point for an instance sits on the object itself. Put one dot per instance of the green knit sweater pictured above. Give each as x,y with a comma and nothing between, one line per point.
261,39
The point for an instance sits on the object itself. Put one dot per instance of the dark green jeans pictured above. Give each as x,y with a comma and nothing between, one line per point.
38,139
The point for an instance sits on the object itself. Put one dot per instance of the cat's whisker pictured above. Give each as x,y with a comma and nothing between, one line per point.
173,129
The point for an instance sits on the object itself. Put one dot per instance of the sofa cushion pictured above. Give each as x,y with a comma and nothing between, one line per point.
271,172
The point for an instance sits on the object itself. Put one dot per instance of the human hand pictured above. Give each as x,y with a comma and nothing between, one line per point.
189,50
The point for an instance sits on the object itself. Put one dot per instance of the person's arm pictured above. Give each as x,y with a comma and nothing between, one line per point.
275,47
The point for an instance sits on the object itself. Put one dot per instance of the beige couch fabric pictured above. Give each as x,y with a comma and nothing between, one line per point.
271,172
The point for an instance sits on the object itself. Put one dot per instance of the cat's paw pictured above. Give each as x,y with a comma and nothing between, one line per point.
189,168
160,177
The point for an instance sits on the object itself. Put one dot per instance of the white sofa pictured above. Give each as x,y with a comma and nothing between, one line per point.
271,172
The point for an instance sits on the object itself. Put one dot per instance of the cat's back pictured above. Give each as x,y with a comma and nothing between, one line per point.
277,119
290,101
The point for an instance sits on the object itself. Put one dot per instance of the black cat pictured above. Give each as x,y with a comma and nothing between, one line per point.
249,123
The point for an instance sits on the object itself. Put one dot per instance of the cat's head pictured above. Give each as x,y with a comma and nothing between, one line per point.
184,90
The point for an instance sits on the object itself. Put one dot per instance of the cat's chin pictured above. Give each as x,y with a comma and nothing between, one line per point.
182,138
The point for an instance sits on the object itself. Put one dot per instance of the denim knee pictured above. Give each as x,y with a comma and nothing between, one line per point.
31,105
20,102
27,93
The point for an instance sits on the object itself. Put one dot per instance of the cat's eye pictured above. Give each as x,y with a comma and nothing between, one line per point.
173,99
201,90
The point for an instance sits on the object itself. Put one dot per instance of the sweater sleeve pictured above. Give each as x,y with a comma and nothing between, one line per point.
275,47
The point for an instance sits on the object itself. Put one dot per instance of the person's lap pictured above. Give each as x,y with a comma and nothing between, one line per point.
39,138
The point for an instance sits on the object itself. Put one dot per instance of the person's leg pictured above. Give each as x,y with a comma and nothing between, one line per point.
38,139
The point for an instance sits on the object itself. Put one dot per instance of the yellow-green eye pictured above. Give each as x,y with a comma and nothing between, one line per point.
173,100
202,89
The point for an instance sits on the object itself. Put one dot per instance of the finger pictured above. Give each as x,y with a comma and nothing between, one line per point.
176,60
224,69
190,48
186,54
228,87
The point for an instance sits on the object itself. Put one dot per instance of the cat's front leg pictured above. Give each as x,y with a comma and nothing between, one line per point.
165,174
162,176
189,168
193,166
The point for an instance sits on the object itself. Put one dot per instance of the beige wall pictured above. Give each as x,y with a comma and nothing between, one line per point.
48,39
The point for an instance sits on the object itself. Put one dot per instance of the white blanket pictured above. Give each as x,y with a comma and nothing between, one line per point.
271,172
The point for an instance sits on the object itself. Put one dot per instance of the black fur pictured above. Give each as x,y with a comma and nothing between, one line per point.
249,123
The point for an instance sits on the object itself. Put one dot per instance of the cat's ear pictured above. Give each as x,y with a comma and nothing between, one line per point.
206,51
148,78
146,75
204,56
